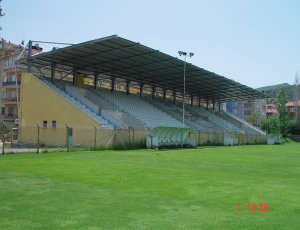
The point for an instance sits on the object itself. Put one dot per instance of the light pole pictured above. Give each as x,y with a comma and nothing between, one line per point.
184,68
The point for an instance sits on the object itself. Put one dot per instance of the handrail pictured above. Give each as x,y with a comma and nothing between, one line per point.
120,109
244,122
210,118
77,103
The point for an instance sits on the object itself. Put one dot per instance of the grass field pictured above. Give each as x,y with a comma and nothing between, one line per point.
147,189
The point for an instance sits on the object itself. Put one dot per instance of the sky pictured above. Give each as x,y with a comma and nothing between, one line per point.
254,42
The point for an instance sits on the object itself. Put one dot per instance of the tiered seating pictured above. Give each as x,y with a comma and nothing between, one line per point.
151,114
104,123
213,117
193,120
250,127
201,120
142,111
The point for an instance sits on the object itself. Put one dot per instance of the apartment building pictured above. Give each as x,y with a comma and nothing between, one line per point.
10,76
293,110
243,109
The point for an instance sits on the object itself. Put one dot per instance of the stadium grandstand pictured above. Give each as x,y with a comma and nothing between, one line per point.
113,89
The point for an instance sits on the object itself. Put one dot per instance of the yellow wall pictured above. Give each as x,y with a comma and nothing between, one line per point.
38,102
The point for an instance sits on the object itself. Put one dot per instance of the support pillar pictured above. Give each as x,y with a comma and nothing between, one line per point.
141,89
192,100
164,94
206,104
127,87
219,105
52,72
153,92
174,97
199,102
74,76
29,56
213,104
112,89
96,80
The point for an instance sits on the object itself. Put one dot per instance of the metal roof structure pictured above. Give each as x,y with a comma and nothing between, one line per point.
125,59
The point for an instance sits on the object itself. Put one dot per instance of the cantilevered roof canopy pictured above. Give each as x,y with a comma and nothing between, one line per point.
126,59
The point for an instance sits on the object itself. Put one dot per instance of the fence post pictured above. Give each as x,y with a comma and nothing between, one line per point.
114,138
95,140
129,139
11,138
67,137
3,134
133,136
38,138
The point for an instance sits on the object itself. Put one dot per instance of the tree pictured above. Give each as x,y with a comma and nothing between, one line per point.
281,100
1,14
254,118
271,125
296,94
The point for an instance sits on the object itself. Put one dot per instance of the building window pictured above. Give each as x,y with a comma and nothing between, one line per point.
11,112
44,124
53,124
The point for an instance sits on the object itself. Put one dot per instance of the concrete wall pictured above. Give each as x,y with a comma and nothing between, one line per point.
218,139
39,102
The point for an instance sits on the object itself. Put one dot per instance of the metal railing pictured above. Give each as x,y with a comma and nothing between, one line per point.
104,123
7,83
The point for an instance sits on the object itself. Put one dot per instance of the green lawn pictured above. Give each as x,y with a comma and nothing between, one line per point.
147,189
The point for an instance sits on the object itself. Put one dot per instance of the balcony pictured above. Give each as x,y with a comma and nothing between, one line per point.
9,99
10,66
8,83
10,117
13,67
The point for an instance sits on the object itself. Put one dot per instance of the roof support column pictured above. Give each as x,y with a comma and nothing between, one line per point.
74,76
141,89
96,80
127,87
164,94
153,92
213,104
199,101
219,105
192,100
52,72
112,89
206,103
29,63
174,97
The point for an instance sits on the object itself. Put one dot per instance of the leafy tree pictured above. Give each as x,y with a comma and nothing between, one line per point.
296,95
1,14
254,118
294,128
271,125
281,100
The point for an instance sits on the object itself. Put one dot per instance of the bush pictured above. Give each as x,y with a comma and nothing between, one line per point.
294,128
271,125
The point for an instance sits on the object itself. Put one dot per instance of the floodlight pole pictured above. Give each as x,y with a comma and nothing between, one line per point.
184,67
184,72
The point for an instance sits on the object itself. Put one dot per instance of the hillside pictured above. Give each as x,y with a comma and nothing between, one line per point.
273,87
272,90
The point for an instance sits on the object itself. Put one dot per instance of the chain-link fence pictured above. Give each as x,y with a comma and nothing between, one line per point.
67,138
39,138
